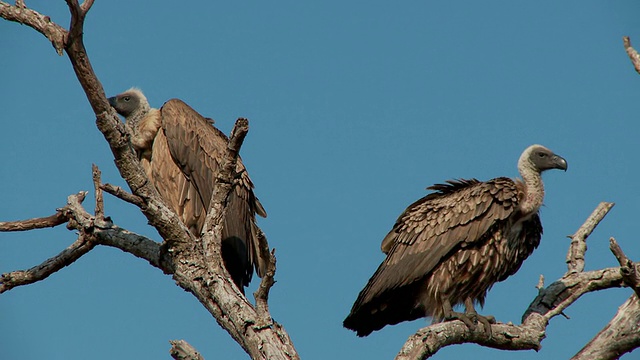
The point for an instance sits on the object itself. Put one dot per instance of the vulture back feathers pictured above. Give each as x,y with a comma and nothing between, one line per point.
452,245
181,152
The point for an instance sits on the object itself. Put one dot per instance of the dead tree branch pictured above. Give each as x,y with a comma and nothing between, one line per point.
80,247
38,223
633,54
182,350
41,23
91,233
99,210
261,295
578,247
24,277
122,194
629,270
620,336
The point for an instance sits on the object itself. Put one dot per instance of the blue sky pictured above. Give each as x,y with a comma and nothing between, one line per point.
354,109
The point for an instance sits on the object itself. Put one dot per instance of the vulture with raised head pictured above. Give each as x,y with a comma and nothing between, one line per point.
451,246
181,151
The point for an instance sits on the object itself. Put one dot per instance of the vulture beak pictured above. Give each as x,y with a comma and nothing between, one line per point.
560,162
112,101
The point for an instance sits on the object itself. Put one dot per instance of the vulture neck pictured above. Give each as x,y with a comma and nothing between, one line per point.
134,119
534,188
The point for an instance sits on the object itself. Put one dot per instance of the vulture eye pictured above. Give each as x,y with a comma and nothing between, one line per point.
541,154
126,98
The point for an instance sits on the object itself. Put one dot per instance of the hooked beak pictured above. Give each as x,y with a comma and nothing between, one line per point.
560,162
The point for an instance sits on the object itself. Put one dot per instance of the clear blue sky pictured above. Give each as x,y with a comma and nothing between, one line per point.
354,109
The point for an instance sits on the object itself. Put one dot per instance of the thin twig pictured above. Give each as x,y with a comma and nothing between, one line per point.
122,194
99,211
56,219
23,277
578,247
633,54
540,285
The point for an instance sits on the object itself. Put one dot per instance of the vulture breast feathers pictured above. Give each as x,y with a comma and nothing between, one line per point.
452,245
181,152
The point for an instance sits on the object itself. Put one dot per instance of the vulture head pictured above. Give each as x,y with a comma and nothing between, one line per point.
538,158
129,102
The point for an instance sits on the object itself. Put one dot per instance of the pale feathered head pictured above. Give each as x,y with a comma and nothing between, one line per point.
129,102
539,158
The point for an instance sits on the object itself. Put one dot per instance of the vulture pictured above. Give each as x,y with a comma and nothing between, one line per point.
451,246
181,152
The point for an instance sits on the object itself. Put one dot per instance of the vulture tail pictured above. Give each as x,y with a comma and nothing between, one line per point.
387,309
237,240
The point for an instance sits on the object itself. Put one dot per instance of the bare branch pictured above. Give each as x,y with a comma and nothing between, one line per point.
427,341
24,277
549,303
86,6
540,285
618,337
261,295
38,223
182,350
633,54
552,300
105,233
80,247
99,211
578,247
41,23
92,233
629,270
122,194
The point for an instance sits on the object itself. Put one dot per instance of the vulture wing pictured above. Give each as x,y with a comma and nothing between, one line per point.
197,149
430,230
174,187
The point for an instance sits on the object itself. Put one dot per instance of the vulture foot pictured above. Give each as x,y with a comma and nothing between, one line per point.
470,317
486,321
467,319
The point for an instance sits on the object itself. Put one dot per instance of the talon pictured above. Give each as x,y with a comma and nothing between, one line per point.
469,321
486,321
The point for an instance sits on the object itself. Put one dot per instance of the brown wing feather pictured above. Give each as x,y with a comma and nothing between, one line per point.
197,147
457,215
173,186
